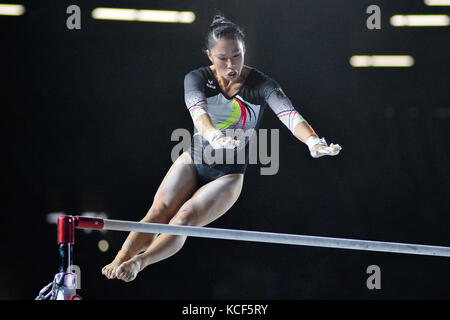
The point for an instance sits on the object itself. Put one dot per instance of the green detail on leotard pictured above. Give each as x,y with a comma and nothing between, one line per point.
235,113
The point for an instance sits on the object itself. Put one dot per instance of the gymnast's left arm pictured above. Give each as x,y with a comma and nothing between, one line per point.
300,128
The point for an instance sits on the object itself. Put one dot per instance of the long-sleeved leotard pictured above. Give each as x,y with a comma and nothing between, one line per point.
244,110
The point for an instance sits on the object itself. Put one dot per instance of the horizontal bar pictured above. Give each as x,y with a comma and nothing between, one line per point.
269,237
88,222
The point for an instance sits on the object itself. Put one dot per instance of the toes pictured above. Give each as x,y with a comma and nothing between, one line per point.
108,272
127,277
124,274
119,270
123,277
111,274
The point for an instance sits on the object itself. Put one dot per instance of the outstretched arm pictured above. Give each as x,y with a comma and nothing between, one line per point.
303,131
299,127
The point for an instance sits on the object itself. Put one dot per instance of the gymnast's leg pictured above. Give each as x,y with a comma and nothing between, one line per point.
206,205
177,186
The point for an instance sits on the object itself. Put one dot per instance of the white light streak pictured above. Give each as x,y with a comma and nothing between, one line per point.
420,20
437,2
165,16
382,61
11,9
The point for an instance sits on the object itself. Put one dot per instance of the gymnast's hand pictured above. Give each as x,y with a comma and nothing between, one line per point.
219,141
322,149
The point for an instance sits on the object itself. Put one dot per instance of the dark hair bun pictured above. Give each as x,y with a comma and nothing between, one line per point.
218,19
222,28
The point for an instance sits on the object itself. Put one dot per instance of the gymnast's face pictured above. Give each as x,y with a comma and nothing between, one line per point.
227,56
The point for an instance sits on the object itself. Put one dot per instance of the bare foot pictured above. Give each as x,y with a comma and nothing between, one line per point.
110,270
128,270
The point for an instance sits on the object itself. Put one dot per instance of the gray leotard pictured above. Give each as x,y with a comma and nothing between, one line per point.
243,110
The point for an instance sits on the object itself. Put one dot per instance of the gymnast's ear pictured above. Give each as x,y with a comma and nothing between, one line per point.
208,53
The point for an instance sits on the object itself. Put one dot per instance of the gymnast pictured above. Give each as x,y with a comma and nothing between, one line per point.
225,95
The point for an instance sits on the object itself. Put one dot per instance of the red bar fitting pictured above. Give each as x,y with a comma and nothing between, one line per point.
66,229
88,222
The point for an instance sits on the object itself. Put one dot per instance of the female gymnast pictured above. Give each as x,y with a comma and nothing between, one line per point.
224,95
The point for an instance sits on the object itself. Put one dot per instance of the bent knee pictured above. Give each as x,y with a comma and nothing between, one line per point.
185,217
159,212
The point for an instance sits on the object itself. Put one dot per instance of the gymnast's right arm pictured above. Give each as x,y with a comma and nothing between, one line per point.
197,105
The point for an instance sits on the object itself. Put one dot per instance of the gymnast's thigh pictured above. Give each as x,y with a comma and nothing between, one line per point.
178,185
211,201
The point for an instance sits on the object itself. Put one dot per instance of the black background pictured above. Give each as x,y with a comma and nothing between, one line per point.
86,125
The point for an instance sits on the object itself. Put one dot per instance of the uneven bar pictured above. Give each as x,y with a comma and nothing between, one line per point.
279,238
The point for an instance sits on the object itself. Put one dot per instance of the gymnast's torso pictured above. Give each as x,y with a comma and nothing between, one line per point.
240,112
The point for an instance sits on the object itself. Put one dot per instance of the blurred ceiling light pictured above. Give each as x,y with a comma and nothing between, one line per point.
382,61
114,14
437,2
420,20
143,15
11,9
166,16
